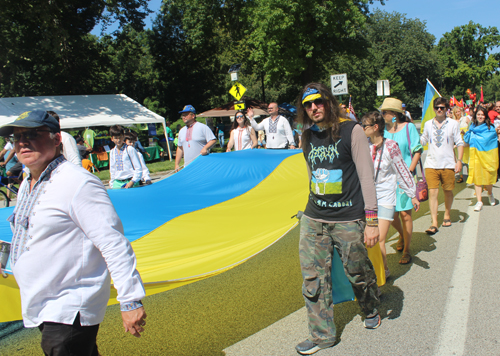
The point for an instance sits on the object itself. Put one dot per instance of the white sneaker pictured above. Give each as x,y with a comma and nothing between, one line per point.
492,200
478,206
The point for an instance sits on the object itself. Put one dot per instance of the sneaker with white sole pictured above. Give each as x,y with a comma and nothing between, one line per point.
492,200
478,206
308,347
373,322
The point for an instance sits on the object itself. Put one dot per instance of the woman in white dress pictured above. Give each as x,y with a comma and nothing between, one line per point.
391,171
242,135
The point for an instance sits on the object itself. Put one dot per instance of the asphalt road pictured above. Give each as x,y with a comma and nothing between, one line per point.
444,303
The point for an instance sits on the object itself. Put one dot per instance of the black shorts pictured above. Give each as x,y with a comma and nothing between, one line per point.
16,170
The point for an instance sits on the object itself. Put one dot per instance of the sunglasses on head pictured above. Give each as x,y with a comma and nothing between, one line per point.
440,107
318,102
28,135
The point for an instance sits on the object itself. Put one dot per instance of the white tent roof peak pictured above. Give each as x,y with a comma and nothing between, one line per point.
77,111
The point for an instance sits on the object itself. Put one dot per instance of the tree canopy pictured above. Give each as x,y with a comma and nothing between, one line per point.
48,49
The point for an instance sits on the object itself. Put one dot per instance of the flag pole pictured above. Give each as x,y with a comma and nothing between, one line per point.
433,87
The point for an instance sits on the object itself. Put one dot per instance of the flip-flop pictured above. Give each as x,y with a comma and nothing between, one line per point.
432,230
405,259
447,222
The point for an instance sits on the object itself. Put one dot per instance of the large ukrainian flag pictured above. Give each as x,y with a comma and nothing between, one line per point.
428,110
213,215
483,154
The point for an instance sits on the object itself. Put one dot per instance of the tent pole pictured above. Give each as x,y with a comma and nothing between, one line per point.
168,142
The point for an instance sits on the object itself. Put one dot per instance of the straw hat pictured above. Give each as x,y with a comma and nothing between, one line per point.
392,104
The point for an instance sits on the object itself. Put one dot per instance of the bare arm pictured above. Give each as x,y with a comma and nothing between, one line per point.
178,157
253,136
230,143
9,157
204,150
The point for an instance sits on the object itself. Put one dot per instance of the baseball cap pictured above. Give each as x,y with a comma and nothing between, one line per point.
403,105
32,119
188,108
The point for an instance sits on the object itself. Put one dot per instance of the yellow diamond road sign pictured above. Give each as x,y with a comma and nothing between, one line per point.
237,90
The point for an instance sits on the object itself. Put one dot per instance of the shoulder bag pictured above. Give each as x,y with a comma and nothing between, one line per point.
422,191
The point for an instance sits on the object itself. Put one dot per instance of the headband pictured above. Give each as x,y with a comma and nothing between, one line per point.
310,94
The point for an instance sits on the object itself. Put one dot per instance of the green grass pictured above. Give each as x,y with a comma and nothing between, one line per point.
153,168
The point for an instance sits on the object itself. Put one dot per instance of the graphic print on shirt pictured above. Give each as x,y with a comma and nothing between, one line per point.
324,181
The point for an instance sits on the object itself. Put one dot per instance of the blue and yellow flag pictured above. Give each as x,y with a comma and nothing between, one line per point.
428,110
483,154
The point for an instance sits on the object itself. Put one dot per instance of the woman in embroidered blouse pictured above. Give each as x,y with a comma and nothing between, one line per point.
242,134
463,122
483,155
390,168
406,136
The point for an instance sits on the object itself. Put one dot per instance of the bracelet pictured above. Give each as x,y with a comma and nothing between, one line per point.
371,218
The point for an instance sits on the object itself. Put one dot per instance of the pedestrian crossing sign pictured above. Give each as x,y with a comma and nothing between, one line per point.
237,90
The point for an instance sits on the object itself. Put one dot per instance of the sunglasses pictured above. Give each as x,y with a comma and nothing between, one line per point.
239,117
365,126
28,135
440,108
318,102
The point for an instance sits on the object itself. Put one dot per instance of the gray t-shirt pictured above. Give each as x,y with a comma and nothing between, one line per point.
200,136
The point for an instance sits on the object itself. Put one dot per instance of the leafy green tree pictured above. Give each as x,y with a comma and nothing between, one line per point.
405,46
187,62
289,39
491,88
47,48
467,58
129,67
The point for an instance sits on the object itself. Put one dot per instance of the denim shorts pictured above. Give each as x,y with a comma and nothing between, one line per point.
386,212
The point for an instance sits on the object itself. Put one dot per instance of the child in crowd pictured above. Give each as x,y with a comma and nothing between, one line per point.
87,163
124,164
130,139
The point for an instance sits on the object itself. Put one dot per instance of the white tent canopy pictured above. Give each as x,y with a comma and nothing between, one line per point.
77,111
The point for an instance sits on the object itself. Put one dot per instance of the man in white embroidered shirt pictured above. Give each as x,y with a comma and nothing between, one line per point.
67,241
278,131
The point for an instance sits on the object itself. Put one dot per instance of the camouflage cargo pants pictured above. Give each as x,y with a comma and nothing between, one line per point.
317,241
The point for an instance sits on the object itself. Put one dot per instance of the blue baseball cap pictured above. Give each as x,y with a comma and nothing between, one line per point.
32,119
188,108
403,105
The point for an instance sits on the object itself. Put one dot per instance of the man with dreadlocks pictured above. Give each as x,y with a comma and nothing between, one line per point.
341,213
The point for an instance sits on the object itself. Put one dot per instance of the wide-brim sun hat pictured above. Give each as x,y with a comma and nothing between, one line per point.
392,104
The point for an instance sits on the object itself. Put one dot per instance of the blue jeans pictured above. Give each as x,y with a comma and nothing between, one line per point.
221,139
